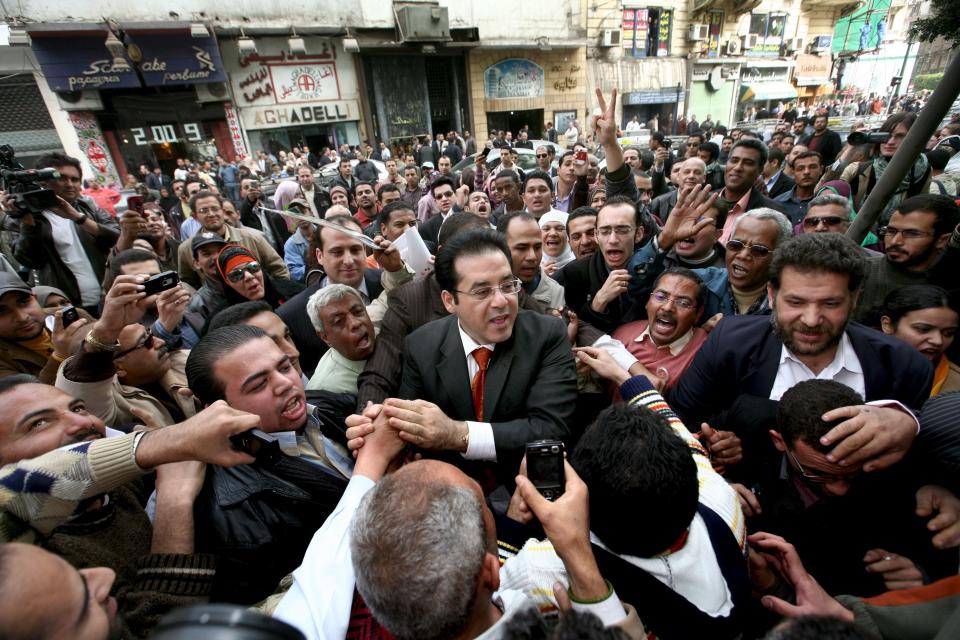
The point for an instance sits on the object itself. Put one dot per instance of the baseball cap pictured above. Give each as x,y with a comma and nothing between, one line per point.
10,282
299,202
428,165
950,141
202,239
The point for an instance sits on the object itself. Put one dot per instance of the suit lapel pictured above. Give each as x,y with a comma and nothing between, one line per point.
452,371
762,370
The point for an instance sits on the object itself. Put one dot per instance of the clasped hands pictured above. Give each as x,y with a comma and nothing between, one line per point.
415,422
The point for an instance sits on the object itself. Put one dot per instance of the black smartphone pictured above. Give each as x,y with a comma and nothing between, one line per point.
69,316
262,446
545,467
161,282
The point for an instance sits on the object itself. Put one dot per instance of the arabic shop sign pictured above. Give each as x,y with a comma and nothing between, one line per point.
170,58
278,116
513,78
297,82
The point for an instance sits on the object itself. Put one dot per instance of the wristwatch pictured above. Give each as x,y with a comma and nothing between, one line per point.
83,218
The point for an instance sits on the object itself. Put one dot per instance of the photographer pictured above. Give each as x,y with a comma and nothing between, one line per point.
863,176
67,244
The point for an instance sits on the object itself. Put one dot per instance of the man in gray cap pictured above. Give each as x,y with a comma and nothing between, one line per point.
26,344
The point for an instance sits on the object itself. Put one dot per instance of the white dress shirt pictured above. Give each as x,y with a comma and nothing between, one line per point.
66,241
481,445
845,369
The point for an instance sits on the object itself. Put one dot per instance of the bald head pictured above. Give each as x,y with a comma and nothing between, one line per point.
693,172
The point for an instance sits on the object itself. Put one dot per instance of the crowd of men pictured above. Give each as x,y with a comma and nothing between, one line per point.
756,415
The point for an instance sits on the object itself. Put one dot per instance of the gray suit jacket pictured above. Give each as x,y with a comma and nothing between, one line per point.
531,384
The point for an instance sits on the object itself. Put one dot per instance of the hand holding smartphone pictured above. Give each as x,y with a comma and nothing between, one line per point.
545,467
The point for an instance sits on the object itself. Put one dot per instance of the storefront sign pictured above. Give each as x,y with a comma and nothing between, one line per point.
297,115
701,72
513,78
169,58
659,96
167,133
753,75
297,82
94,147
812,70
236,135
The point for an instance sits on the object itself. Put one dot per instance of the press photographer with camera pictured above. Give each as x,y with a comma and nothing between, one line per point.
68,240
863,176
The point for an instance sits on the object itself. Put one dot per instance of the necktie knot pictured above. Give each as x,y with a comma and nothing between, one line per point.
482,356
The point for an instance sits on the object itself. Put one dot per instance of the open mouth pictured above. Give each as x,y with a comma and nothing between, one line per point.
663,324
738,271
294,409
500,321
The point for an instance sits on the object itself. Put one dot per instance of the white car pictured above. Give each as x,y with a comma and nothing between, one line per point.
328,172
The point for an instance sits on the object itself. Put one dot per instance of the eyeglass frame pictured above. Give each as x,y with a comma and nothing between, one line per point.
755,250
663,298
207,210
147,339
908,234
815,221
819,479
252,268
605,232
485,293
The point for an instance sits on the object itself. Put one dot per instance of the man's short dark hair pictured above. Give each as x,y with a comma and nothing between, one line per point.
9,383
773,153
802,119
213,346
543,176
637,217
504,222
696,134
752,143
237,314
338,218
199,195
130,256
361,183
819,253
397,205
580,212
943,207
442,181
801,408
712,149
507,173
471,243
938,158
788,134
387,188
682,272
631,456
458,223
658,136
57,159
807,154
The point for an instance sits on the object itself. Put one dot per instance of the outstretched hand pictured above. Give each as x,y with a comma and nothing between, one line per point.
688,216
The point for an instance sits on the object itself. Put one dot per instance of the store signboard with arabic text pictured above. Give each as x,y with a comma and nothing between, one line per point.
299,82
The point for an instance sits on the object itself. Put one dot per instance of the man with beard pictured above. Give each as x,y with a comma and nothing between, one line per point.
582,231
341,321
824,141
918,231
814,282
138,377
366,199
252,215
667,342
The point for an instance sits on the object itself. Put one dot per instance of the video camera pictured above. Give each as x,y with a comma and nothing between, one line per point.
856,138
24,185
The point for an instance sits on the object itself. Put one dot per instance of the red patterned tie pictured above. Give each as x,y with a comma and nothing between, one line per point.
482,356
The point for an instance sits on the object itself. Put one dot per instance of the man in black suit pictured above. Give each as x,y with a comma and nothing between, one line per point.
824,141
744,165
157,179
444,194
343,261
489,378
270,224
774,176
815,281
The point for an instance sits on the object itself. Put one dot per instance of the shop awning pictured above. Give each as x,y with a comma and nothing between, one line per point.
769,91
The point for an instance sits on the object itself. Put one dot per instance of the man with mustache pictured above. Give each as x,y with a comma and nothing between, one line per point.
918,232
668,340
338,314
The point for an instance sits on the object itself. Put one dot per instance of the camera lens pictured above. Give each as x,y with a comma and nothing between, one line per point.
554,449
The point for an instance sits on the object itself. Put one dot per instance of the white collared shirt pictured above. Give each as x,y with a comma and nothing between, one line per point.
676,347
364,292
481,445
845,369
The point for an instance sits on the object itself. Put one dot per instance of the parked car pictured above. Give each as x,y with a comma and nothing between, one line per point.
328,172
526,159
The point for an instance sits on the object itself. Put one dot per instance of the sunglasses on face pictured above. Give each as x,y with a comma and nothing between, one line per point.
756,250
828,221
239,273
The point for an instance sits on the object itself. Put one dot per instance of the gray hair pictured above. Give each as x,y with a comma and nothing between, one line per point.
323,297
772,215
417,550
831,198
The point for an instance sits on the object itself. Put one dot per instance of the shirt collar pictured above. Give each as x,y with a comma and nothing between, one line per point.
675,347
845,359
469,344
355,366
741,204
773,178
362,288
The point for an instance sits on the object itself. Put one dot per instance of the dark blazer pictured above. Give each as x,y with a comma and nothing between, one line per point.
294,313
742,355
410,306
278,225
531,385
783,184
758,200
581,279
430,230
828,146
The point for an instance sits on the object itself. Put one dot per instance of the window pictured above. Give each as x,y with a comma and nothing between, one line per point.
646,32
714,22
770,28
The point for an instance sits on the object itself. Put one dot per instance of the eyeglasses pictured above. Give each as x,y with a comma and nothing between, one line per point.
508,288
827,221
756,250
236,275
683,303
207,210
908,234
144,342
816,478
444,195
542,155
624,230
